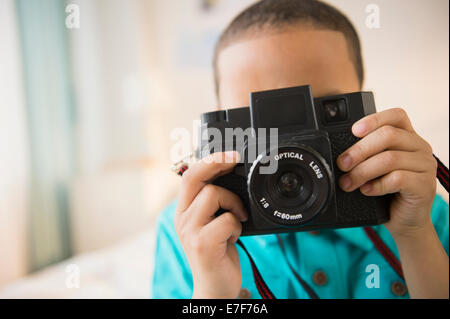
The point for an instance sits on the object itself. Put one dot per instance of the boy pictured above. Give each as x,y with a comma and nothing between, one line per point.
283,43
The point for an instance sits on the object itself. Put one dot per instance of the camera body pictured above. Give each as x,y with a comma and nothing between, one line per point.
289,143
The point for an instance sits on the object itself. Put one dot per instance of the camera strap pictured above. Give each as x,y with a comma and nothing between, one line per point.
384,250
261,285
441,174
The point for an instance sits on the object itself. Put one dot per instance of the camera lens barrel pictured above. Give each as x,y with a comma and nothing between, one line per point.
297,191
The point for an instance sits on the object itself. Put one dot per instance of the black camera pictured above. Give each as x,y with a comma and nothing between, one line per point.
289,143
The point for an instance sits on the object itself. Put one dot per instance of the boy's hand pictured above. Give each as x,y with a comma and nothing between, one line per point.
392,158
208,241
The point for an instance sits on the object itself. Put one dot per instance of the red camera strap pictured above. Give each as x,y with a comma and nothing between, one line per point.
442,173
388,255
261,285
384,251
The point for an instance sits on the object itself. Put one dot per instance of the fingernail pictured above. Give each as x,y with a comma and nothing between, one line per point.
346,161
232,157
345,182
359,128
366,188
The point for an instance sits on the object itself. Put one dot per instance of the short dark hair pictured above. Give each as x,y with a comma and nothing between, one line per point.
279,14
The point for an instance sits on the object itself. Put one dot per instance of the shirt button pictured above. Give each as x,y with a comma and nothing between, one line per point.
244,294
398,288
320,278
314,232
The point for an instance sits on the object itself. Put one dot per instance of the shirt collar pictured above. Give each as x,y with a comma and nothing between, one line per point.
356,236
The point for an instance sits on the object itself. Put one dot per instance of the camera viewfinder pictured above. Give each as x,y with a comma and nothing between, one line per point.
335,110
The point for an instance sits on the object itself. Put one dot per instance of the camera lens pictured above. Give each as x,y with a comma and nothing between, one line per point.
297,191
289,184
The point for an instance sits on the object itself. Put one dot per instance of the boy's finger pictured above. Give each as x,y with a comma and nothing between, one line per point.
384,163
406,182
199,174
396,117
221,229
384,138
209,200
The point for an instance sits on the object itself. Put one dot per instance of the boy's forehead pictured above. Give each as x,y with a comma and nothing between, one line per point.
317,57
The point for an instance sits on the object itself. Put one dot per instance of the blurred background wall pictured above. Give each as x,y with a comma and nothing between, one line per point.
134,70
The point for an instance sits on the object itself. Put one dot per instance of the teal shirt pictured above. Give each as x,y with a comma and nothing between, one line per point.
342,254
